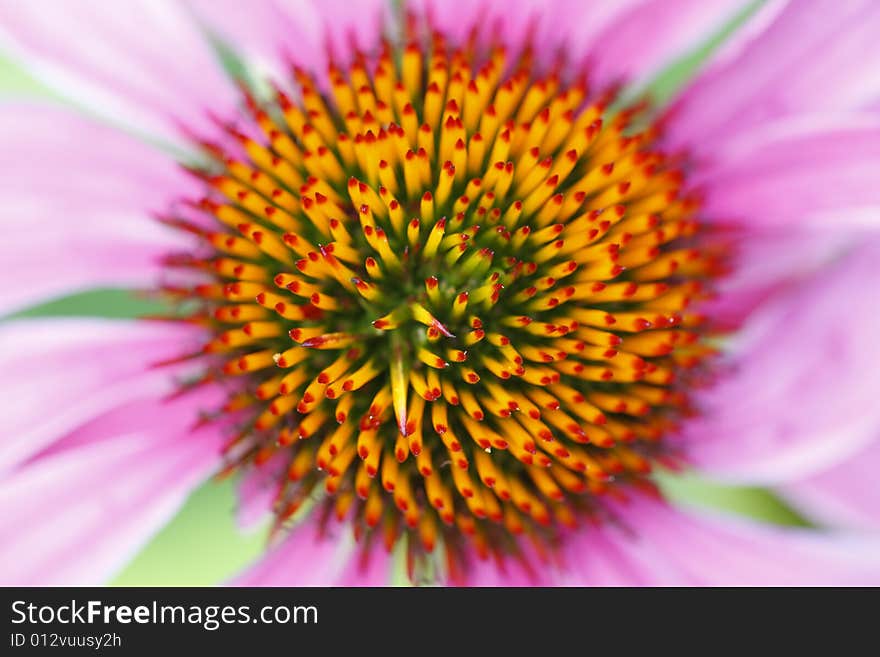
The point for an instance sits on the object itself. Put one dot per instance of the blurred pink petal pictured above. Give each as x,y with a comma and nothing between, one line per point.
638,37
142,63
770,262
609,557
801,193
525,569
513,23
302,31
76,515
307,557
350,23
813,56
687,548
573,24
648,543
797,174
640,42
77,202
800,394
63,372
257,489
845,495
371,568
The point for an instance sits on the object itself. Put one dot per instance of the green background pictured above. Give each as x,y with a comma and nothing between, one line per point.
202,545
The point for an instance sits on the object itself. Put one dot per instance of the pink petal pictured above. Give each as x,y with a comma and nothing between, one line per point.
641,41
645,542
525,570
352,23
272,32
370,568
76,515
813,56
572,25
143,63
846,495
611,557
622,41
773,262
77,202
658,545
63,372
800,395
307,557
513,22
637,37
803,193
797,174
257,490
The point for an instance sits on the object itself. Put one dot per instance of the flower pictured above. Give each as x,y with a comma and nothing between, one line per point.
439,285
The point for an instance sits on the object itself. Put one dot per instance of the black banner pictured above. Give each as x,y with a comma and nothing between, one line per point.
401,621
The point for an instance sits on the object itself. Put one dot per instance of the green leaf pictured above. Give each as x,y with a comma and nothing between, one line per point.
111,303
689,489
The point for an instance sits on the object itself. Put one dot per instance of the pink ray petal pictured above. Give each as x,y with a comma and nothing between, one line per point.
800,395
307,557
257,489
622,42
526,570
654,544
797,173
372,568
809,57
77,514
77,369
802,194
275,32
845,495
77,202
640,42
142,63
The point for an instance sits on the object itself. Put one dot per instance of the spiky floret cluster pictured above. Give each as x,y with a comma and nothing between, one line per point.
449,295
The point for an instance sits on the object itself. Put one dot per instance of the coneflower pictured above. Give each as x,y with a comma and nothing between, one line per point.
444,287
451,295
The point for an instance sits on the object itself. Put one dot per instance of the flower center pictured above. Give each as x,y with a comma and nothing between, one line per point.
449,296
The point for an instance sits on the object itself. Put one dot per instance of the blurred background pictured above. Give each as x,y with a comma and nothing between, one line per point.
202,545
